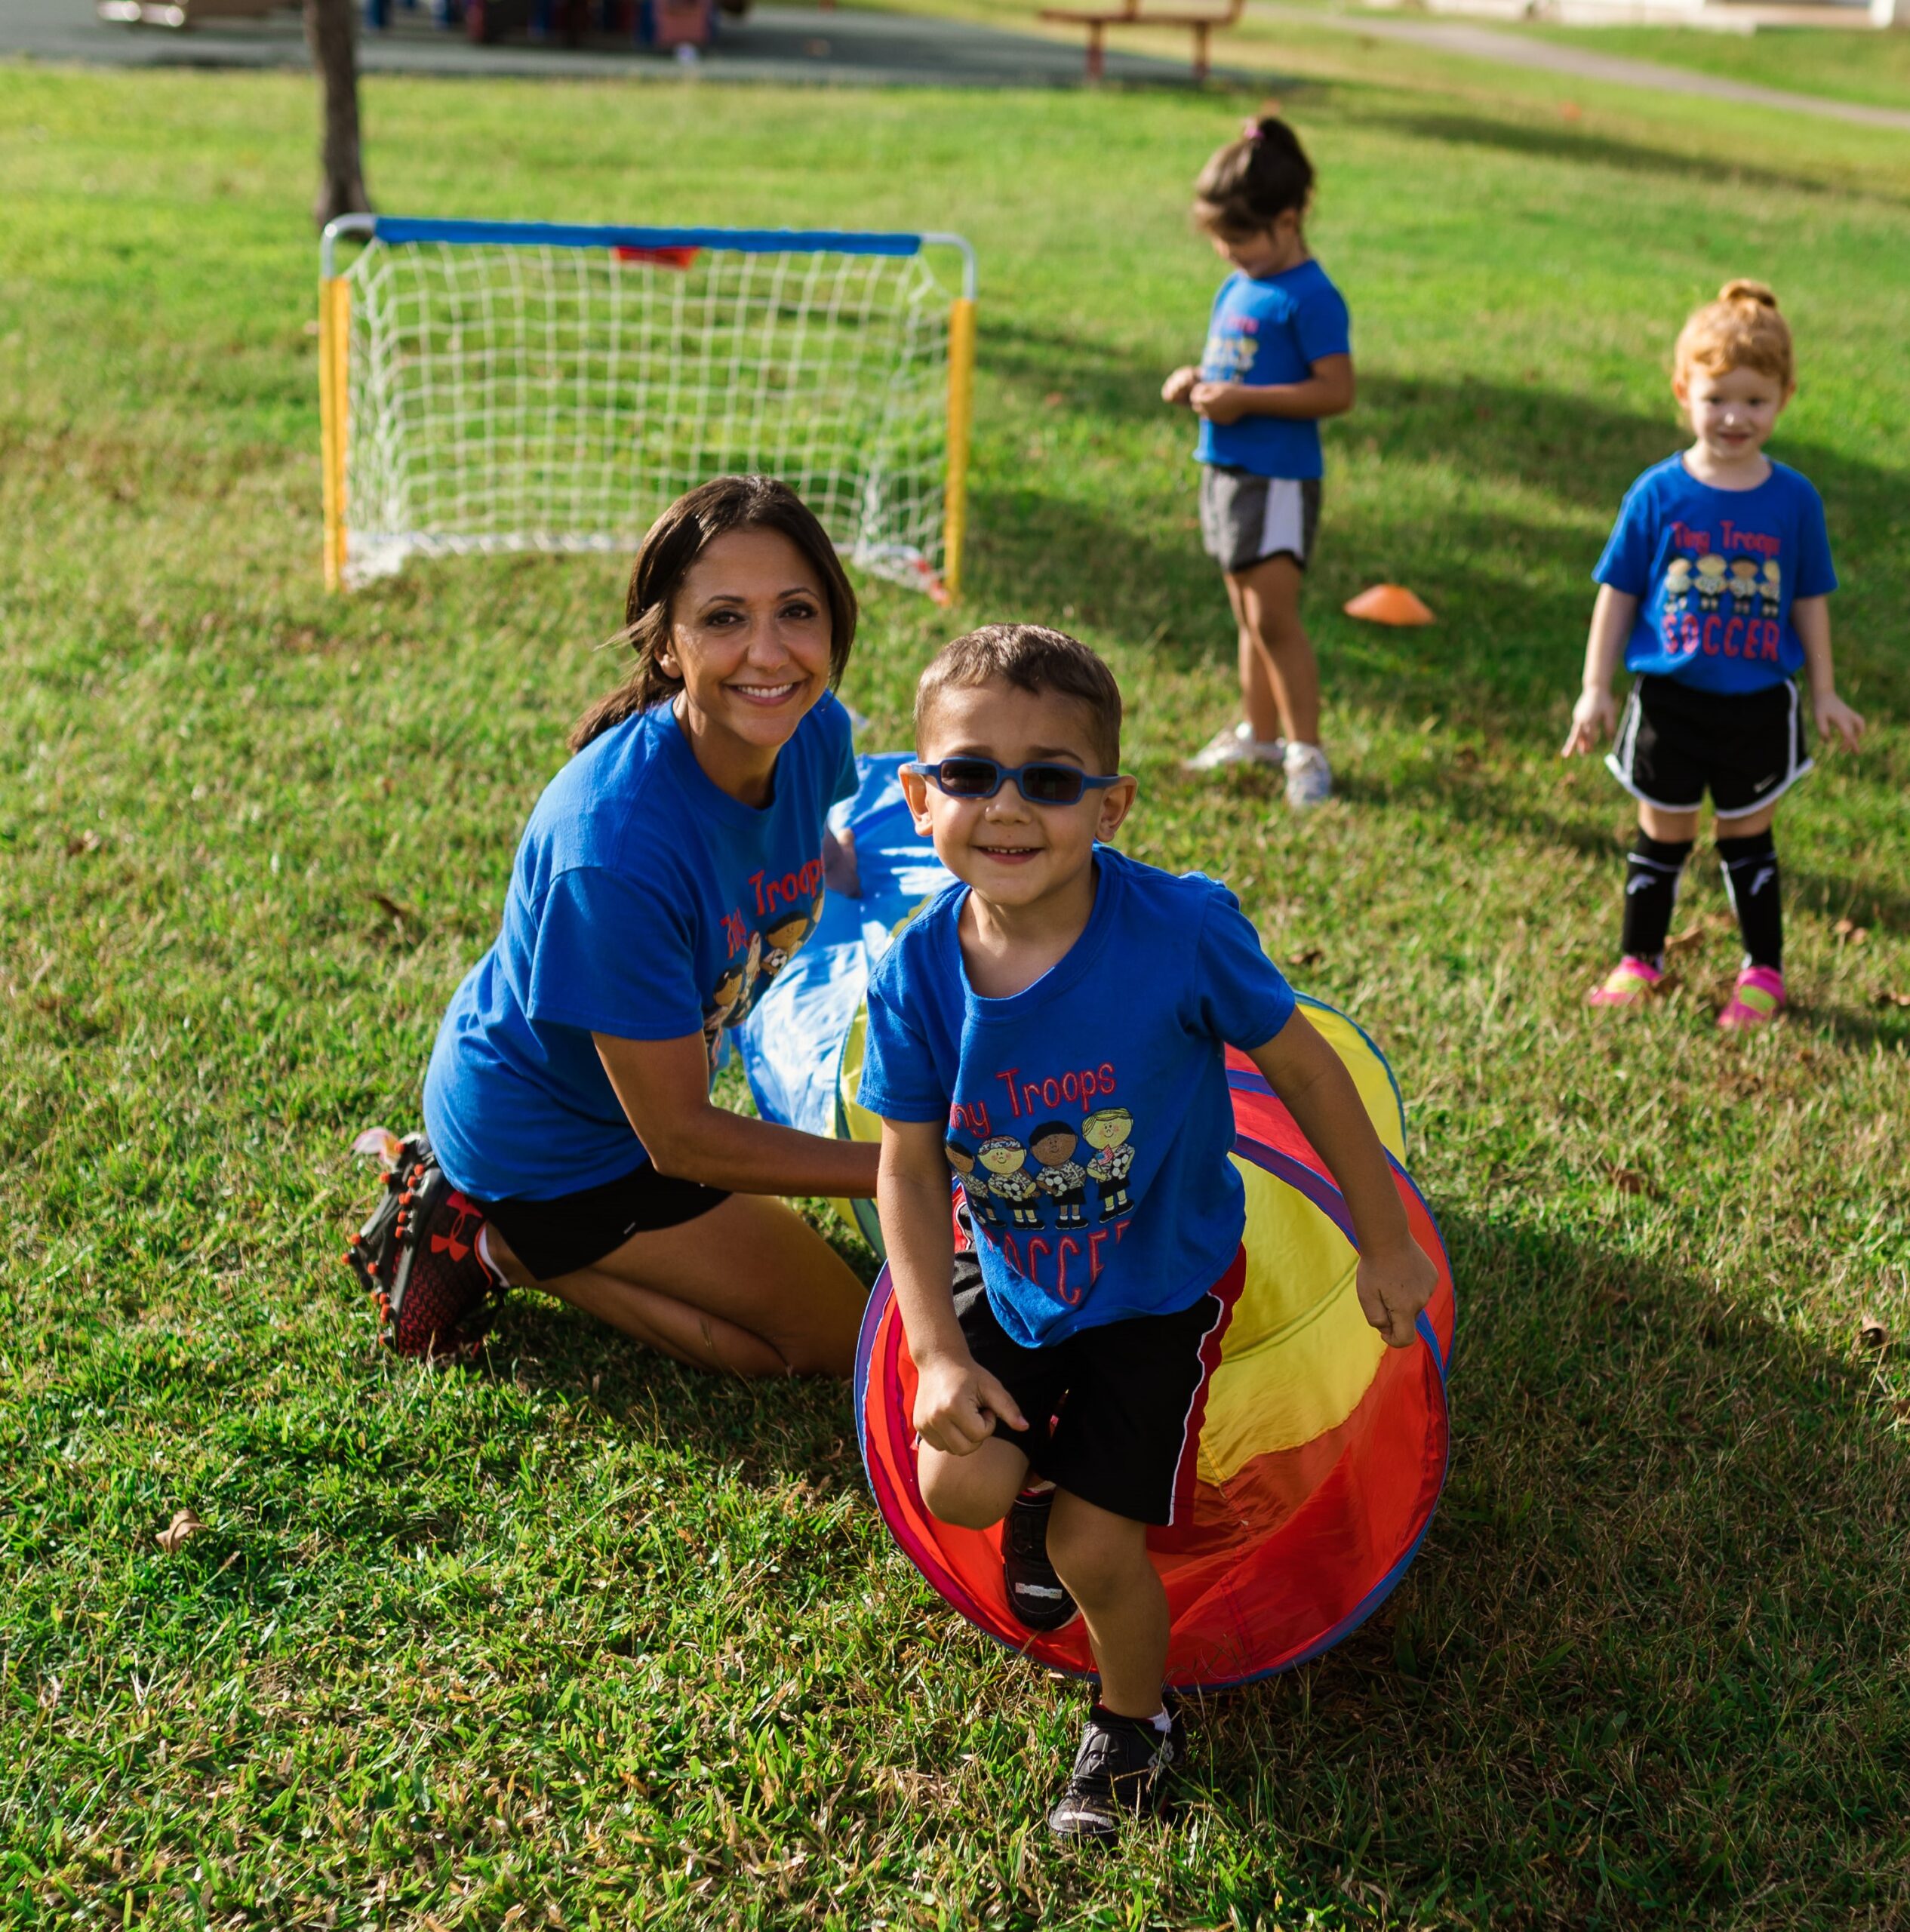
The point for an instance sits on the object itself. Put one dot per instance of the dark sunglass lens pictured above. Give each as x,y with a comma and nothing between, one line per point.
967,777
1051,784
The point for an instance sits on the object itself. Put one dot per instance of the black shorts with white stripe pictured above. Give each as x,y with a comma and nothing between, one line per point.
1676,742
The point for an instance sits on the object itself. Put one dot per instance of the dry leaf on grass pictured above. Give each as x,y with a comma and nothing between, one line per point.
1311,956
88,840
183,1525
403,915
1894,999
1627,1180
1684,942
1871,1332
1850,932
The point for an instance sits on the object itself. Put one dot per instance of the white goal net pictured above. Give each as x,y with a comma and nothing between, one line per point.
499,386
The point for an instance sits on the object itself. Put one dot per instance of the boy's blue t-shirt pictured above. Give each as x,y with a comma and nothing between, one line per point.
1715,573
645,902
1266,333
1089,1116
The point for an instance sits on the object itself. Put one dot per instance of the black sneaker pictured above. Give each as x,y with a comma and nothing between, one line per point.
1120,1772
417,1255
1037,1596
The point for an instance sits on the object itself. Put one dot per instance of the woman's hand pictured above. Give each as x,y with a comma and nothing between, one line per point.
1594,718
957,1402
841,872
1834,715
1179,385
1393,1285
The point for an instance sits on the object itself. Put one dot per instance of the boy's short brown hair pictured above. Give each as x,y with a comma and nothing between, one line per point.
1035,659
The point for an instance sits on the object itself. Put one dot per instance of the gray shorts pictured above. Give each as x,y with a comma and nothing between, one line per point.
1245,519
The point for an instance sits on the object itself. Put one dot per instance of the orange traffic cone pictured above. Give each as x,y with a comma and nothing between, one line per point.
1389,604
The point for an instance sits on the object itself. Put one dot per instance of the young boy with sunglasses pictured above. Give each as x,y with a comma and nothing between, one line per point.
1057,988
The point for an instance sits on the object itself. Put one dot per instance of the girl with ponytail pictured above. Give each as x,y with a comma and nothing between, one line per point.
1715,590
1277,361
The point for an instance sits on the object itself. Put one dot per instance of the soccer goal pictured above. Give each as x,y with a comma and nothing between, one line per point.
518,385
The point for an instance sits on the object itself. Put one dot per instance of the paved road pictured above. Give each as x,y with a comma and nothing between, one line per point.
775,43
1513,50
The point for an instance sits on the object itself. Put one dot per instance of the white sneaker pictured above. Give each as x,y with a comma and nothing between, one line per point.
1309,777
1235,744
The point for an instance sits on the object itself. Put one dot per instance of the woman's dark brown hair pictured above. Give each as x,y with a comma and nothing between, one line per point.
677,539
1249,184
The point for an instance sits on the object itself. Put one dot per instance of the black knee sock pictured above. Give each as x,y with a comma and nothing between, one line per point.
1750,878
1651,870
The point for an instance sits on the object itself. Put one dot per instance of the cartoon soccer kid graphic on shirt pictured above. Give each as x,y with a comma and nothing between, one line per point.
786,935
1108,1129
961,1158
1773,585
1063,1178
1744,585
729,999
1003,1156
1711,583
1677,585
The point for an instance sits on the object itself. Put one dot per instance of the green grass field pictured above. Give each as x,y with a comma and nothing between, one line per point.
577,1639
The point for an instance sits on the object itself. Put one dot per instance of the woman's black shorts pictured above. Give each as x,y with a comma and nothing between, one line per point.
1127,1398
554,1237
1675,743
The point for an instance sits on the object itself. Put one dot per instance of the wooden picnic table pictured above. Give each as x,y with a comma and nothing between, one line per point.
1133,13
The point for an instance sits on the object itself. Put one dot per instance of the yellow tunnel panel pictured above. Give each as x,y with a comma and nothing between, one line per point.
1299,1353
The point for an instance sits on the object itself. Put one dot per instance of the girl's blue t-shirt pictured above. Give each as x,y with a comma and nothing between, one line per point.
1266,332
645,902
1715,573
1089,1117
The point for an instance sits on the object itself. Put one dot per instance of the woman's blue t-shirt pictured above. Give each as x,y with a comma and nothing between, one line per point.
1089,1117
1266,332
1715,573
645,902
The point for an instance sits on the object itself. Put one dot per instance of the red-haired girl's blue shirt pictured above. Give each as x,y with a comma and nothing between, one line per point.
1266,332
645,902
1716,573
1088,1117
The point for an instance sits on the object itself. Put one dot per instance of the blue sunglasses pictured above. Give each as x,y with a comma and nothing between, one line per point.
982,777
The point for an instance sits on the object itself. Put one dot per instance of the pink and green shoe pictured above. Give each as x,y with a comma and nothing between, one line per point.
1630,983
1756,1000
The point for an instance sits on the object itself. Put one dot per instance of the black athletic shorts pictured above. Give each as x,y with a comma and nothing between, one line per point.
1676,743
554,1237
1245,518
1126,1400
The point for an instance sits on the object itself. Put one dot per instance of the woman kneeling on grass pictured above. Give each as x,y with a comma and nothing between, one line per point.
666,874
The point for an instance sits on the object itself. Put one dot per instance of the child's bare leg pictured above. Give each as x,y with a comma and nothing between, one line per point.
1267,599
974,1491
1256,699
1103,1558
749,1288
1671,828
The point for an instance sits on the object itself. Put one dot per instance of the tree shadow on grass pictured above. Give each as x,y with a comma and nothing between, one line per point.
767,1432
1582,148
1656,1624
1512,593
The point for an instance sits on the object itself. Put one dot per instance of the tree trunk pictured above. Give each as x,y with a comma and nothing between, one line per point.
331,31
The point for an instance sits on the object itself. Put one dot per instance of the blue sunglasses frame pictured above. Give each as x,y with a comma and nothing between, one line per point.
1003,772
